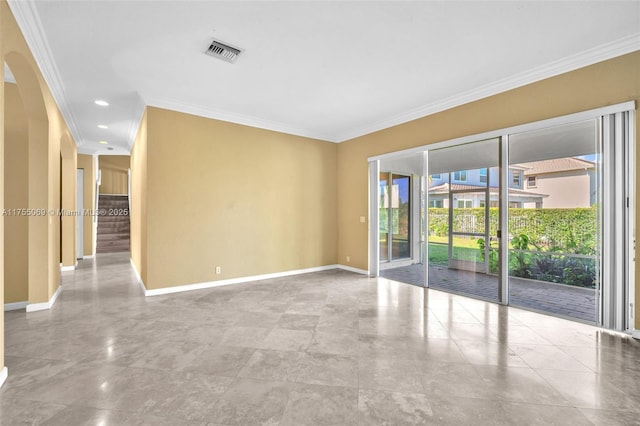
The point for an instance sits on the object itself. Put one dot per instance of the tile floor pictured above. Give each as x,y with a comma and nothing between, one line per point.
557,299
330,348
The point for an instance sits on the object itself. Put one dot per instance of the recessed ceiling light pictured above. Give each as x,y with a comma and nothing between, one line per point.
101,102
104,142
102,126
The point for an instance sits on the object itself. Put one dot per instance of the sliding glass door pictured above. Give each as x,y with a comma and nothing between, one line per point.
395,216
540,217
463,219
555,232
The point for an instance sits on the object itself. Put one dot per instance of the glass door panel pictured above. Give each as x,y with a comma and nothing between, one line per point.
462,202
554,210
468,229
384,216
401,205
400,223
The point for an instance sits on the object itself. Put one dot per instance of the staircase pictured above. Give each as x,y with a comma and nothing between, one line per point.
113,224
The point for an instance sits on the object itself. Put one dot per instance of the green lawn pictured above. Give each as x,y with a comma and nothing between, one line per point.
469,242
439,253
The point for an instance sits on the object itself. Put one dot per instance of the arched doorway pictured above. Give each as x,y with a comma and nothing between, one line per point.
40,234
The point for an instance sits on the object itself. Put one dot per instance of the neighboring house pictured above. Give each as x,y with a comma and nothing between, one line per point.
557,183
570,182
464,182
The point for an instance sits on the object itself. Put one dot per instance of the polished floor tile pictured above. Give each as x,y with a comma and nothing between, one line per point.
316,405
327,348
377,407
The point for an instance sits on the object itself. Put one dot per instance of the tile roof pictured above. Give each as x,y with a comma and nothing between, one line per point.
444,188
556,165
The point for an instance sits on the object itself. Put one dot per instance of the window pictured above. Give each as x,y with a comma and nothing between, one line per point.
531,182
465,204
436,177
460,176
436,203
515,204
483,175
517,174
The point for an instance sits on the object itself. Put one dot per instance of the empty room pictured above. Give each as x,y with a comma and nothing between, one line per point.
319,213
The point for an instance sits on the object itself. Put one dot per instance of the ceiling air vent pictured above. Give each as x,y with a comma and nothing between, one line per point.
223,51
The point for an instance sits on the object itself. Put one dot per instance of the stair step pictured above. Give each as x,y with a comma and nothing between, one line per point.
113,230
113,236
113,219
114,249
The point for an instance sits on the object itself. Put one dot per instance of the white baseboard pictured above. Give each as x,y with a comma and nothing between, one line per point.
3,376
351,269
33,307
138,277
88,256
211,284
68,268
15,306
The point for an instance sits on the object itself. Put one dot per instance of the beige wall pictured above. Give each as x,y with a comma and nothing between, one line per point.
87,163
16,286
46,130
565,189
114,174
606,83
248,200
138,214
69,200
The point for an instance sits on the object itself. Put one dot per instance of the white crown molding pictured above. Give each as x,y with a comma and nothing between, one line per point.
175,105
588,57
28,19
33,307
135,123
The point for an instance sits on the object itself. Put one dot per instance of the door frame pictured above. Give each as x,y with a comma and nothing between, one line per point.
80,217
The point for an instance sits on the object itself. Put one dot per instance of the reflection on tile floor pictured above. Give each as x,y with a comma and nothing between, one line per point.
324,348
560,300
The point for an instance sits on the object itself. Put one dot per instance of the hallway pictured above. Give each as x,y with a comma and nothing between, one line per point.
324,348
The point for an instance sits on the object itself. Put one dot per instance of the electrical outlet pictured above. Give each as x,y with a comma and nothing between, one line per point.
218,270
348,258
362,219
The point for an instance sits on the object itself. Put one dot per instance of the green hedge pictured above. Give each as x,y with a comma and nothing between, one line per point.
566,230
540,238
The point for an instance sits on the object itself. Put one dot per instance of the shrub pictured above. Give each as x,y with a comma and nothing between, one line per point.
536,235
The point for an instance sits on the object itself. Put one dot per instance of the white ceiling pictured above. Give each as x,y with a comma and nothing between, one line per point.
330,70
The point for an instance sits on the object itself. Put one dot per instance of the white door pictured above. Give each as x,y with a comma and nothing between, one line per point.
80,221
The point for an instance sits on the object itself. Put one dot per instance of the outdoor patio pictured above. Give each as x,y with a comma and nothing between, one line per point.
557,299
